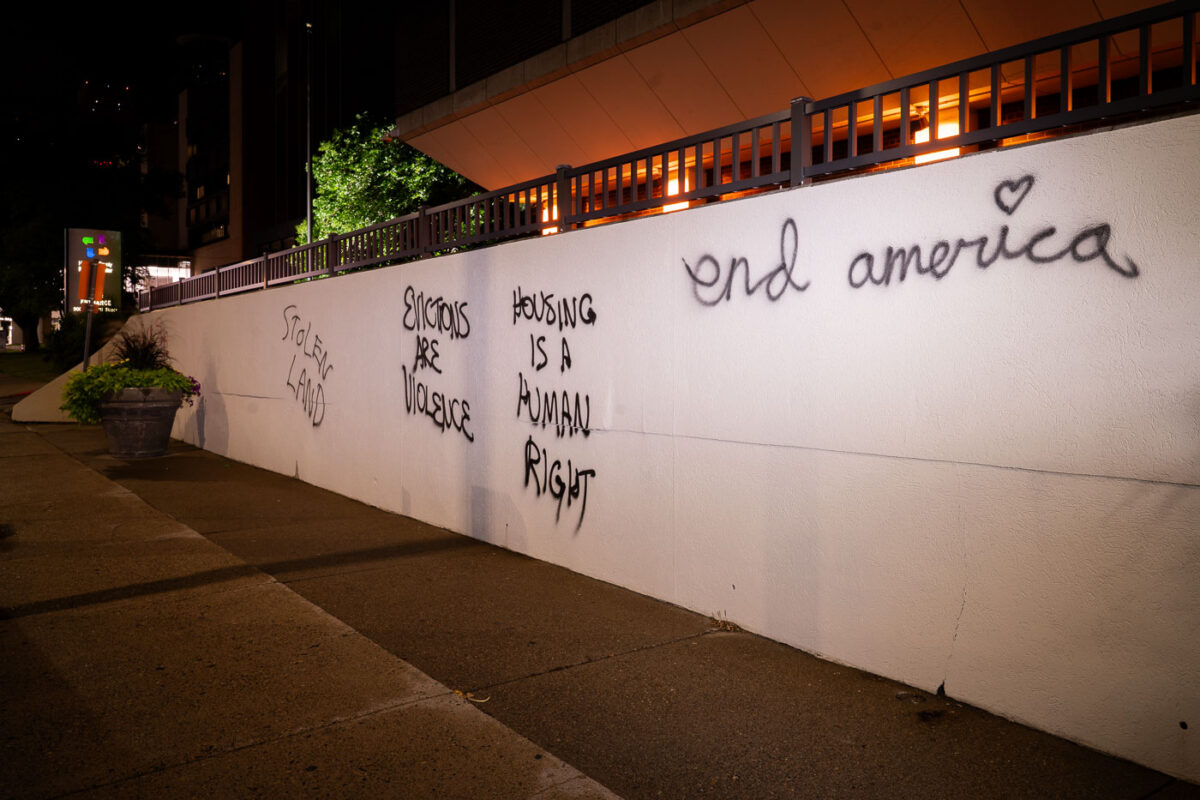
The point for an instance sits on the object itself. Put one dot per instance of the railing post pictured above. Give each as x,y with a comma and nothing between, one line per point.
562,197
331,254
423,231
266,259
801,141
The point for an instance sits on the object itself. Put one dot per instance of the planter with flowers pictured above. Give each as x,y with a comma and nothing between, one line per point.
134,396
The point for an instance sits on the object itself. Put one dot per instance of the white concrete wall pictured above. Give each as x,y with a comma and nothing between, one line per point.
988,480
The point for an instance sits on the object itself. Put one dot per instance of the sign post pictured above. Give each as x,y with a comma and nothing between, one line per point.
92,277
87,331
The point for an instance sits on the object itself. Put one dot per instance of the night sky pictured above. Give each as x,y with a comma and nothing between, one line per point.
47,52
77,89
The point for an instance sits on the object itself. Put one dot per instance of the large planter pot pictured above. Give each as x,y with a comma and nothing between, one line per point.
138,421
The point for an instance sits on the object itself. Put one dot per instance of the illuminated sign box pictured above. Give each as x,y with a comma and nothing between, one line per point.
89,250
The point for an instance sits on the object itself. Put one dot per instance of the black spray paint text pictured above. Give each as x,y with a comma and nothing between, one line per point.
309,391
446,413
569,483
435,314
708,274
894,263
427,355
427,315
309,343
307,387
538,359
563,312
566,412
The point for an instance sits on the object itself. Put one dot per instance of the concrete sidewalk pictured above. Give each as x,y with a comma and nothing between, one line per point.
140,659
194,626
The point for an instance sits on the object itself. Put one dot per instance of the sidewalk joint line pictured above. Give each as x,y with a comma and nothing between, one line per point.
261,742
1156,792
584,663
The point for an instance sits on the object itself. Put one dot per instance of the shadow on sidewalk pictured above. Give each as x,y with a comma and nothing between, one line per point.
215,576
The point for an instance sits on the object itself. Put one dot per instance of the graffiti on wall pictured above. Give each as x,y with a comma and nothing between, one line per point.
310,364
1044,246
561,412
714,281
436,325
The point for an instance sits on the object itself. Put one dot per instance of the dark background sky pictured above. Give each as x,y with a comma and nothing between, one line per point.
49,52
69,148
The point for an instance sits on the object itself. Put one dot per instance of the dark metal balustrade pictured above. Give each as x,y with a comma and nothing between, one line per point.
1141,62
732,159
1134,63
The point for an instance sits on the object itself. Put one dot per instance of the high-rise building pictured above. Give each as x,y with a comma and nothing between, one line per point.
252,108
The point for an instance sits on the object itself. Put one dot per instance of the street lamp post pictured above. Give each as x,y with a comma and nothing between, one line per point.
308,125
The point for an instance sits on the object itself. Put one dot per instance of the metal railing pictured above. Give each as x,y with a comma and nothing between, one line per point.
746,155
1140,62
1129,64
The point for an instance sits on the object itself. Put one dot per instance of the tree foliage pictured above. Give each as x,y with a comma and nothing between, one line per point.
362,178
49,184
30,272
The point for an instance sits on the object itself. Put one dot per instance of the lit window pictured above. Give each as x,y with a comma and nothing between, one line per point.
945,129
546,214
673,189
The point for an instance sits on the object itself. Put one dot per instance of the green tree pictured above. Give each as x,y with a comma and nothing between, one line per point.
50,182
30,274
362,177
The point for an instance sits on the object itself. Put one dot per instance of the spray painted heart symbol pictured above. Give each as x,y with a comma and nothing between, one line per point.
1009,194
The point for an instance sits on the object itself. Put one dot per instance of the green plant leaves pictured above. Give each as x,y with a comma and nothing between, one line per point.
85,391
363,178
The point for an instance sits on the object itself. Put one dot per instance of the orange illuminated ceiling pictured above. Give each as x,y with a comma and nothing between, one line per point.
670,70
